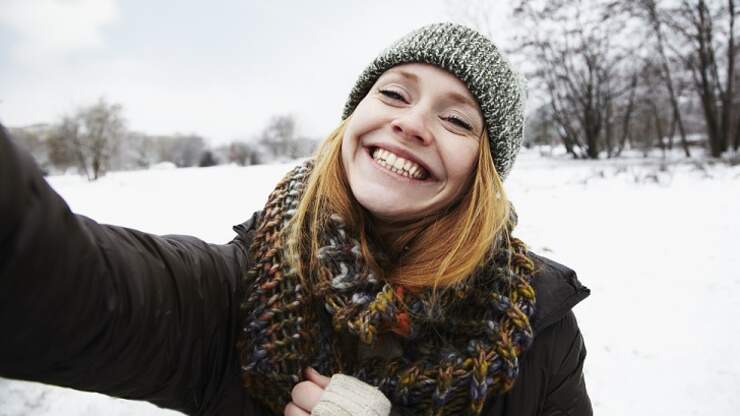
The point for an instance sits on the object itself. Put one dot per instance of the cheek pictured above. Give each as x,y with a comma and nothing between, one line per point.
351,137
349,150
460,161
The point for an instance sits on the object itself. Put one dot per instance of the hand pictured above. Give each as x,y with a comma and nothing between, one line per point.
306,394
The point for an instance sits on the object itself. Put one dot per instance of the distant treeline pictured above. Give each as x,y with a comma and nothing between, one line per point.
604,76
95,140
610,75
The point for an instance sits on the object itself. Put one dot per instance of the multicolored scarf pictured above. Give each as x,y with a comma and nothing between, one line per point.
460,344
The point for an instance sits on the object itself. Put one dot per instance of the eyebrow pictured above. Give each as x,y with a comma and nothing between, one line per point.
462,99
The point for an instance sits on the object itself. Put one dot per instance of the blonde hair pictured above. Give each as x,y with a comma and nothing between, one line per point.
438,250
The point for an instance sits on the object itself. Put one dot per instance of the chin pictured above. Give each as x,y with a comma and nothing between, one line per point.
387,208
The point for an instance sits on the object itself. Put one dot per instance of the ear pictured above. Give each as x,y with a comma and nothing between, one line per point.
314,376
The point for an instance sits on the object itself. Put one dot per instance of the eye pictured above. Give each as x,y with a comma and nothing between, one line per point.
392,95
459,122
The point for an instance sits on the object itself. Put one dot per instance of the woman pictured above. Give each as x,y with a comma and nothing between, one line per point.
381,277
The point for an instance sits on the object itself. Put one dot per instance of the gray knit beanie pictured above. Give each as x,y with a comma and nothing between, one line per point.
473,59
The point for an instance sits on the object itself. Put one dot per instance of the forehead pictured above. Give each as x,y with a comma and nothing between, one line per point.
441,79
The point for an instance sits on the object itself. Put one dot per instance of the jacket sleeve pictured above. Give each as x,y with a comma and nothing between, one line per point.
109,309
566,389
550,382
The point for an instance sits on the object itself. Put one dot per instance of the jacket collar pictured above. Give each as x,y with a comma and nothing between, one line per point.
557,291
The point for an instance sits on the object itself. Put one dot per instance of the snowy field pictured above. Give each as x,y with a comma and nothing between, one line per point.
658,248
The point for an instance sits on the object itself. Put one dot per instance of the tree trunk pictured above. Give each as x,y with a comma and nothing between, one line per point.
609,133
737,134
671,134
658,127
705,84
728,94
627,116
667,75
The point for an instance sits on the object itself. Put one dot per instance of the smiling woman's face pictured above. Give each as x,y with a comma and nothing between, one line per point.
411,144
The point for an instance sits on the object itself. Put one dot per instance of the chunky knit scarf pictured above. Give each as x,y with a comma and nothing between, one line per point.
456,350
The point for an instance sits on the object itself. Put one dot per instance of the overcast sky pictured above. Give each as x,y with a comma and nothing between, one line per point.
178,66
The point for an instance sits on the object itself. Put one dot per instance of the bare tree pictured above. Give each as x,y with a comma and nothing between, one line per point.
709,50
585,74
102,128
182,150
88,138
136,150
282,141
597,64
279,136
61,149
654,16
540,128
243,153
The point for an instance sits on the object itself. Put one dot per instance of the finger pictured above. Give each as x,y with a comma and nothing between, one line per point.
317,378
292,410
306,395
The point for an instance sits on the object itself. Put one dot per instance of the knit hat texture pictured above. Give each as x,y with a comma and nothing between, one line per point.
476,61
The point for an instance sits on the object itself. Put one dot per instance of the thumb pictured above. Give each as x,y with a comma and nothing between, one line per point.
317,378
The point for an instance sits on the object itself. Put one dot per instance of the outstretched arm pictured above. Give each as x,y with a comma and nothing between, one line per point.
110,309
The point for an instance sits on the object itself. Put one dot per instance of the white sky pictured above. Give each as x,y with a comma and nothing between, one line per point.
178,66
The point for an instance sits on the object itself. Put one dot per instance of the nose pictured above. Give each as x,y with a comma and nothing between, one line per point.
412,125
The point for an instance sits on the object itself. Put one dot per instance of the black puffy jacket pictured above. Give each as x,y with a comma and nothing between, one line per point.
113,310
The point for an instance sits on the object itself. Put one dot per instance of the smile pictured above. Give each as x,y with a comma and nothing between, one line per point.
398,164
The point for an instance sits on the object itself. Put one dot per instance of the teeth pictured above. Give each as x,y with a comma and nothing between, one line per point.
398,164
390,158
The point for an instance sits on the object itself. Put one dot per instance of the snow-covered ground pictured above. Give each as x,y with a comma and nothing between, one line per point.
658,248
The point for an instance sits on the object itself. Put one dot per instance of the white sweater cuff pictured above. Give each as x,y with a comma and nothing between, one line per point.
348,396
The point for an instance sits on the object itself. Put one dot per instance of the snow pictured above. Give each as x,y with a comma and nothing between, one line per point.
657,247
